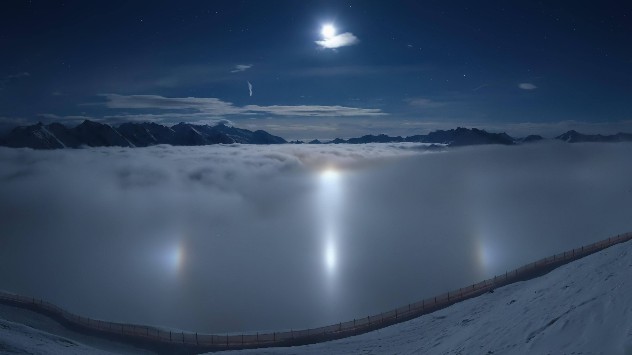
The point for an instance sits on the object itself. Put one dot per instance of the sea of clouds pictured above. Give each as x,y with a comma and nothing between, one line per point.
241,237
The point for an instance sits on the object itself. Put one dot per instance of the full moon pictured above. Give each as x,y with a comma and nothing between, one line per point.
328,31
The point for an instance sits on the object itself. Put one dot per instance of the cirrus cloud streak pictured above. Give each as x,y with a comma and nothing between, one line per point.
217,107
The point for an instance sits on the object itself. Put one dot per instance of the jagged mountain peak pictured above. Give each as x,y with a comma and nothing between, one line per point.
132,134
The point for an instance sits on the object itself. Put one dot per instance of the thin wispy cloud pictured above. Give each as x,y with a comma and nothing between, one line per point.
249,88
12,77
421,102
241,67
337,41
527,86
206,104
482,86
210,106
314,110
19,75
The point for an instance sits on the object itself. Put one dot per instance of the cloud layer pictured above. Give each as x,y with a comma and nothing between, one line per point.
337,41
11,77
216,107
527,86
241,67
424,103
232,238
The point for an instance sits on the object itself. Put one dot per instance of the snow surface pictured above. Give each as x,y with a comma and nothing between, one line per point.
25,331
17,339
584,307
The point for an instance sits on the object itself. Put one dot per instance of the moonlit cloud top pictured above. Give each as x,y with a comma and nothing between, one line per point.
527,86
337,41
424,103
241,67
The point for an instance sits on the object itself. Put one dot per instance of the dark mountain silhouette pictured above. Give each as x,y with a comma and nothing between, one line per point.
454,137
94,134
36,136
146,134
530,138
576,137
463,136
382,138
240,135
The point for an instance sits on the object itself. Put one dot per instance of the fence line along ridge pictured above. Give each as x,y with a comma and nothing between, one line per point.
165,341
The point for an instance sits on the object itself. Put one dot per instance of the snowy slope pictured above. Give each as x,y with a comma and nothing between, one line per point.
584,307
17,339
25,331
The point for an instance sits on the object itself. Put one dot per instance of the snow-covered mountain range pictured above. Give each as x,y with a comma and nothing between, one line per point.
94,134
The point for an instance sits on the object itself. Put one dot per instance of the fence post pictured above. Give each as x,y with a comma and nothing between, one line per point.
196,339
182,337
170,339
257,337
273,337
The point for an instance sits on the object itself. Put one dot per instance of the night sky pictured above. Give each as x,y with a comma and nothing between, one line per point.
398,67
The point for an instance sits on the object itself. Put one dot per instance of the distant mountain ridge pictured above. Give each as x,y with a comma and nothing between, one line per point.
473,136
453,137
573,136
94,134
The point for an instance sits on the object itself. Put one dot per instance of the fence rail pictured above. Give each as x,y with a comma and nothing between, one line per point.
187,342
